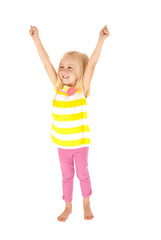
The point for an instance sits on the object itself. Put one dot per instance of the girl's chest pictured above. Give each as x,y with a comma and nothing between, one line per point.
69,104
66,98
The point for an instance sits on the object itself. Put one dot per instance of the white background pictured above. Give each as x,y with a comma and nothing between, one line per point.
123,111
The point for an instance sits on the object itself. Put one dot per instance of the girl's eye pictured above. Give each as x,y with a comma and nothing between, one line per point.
70,67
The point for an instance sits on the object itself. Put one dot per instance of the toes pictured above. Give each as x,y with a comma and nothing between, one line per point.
61,219
89,218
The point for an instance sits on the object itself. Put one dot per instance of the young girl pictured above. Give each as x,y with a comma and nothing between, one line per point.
70,130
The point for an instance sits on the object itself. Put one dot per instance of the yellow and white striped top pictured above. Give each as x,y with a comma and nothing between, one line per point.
69,119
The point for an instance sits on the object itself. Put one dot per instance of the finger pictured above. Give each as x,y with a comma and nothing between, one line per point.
105,31
103,28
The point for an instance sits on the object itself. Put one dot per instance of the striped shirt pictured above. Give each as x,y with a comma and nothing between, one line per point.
69,119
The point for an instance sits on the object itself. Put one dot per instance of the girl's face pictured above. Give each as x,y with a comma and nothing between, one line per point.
67,71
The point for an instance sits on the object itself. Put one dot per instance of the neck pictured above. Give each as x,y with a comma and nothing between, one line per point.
69,85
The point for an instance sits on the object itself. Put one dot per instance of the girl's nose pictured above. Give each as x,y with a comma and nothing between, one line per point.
65,71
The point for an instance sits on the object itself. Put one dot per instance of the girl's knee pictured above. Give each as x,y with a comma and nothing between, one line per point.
83,176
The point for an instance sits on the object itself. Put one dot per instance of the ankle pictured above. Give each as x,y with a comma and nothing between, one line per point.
86,201
68,205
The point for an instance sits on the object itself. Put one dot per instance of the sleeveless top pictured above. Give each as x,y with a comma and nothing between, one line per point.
70,127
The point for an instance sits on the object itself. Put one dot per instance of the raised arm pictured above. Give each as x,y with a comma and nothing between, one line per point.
43,55
104,33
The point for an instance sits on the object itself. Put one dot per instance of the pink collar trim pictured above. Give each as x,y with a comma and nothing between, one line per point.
71,91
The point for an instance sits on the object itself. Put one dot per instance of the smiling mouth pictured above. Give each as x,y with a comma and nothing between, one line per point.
65,77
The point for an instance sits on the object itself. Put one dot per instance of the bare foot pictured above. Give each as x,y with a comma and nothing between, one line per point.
88,215
68,210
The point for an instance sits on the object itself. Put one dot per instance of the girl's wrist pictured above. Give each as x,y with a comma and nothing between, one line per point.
36,39
100,40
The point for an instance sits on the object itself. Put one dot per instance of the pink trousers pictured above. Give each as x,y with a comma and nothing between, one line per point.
66,158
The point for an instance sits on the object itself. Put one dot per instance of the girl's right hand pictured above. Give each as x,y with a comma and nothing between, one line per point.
34,33
104,33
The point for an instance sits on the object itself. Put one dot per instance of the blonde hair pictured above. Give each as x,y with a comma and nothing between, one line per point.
81,61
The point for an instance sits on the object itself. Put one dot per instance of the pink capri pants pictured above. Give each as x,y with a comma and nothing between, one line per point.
66,158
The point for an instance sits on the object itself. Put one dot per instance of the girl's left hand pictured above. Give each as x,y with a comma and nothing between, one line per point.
104,33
